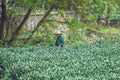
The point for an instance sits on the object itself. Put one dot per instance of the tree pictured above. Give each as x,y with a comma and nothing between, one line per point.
3,18
17,9
21,25
41,21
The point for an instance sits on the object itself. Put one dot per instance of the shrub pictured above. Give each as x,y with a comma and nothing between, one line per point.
87,61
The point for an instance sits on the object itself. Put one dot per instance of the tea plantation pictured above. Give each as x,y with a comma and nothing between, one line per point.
99,60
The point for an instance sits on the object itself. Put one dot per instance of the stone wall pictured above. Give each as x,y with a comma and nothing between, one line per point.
55,17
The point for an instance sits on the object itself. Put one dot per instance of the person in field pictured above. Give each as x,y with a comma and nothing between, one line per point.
59,40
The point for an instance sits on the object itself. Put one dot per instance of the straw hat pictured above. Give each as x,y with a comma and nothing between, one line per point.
57,32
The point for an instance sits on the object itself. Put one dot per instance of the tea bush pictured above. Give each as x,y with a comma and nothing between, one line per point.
88,61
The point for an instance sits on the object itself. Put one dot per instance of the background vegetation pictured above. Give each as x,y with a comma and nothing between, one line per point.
95,18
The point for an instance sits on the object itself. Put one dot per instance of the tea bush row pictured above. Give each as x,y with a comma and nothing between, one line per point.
87,61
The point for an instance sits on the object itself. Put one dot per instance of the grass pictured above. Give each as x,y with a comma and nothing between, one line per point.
87,61
110,30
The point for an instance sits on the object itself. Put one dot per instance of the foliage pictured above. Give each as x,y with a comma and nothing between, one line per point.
2,41
74,37
44,35
109,31
89,10
89,61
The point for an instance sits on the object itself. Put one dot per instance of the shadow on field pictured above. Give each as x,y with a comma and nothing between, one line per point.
2,68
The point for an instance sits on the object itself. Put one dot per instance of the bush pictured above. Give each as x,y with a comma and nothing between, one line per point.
2,42
88,61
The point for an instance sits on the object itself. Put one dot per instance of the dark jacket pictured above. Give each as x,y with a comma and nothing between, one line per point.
59,41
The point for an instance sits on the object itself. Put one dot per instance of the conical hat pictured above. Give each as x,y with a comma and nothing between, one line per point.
57,32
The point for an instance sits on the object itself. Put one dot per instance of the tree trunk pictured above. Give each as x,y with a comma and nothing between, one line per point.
3,17
14,35
10,20
41,21
108,12
99,20
82,18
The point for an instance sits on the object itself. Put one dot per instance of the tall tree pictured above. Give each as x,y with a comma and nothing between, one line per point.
14,35
41,21
3,18
10,20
